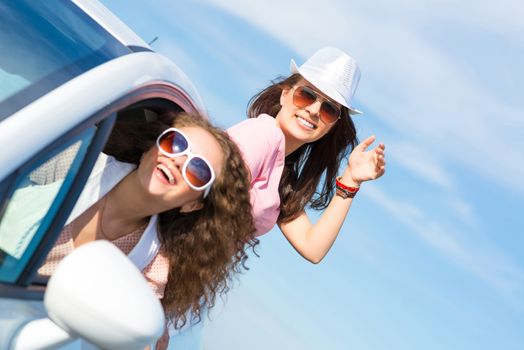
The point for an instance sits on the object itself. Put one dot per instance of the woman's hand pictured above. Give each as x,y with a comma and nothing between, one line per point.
365,165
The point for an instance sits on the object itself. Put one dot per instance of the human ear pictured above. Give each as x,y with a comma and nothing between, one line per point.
283,95
191,206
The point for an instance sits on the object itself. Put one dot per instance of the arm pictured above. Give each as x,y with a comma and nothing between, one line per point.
313,241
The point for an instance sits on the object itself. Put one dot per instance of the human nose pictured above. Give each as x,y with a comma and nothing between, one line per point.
179,161
314,108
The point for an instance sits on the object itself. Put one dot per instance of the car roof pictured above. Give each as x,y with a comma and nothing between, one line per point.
103,16
141,68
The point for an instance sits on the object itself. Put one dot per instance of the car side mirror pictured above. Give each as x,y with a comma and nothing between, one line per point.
98,294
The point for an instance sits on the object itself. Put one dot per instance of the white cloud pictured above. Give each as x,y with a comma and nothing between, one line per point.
420,162
463,210
471,251
504,17
250,315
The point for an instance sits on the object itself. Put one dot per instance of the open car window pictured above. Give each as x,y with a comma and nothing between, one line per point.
39,190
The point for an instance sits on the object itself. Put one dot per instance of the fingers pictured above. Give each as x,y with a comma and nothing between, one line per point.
381,171
366,143
379,151
380,160
373,160
380,165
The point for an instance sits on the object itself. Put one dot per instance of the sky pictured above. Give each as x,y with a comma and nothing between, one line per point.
431,255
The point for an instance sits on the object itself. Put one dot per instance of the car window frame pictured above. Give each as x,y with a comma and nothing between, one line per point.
104,124
29,286
6,187
69,201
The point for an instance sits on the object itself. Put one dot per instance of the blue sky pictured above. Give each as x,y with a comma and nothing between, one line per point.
431,255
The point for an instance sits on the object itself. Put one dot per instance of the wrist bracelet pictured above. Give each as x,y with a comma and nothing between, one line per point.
350,189
345,194
345,191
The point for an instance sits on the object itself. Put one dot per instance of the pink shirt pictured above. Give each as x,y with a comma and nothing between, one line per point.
262,145
156,272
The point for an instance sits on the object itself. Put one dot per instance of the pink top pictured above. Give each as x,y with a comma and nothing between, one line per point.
156,272
262,145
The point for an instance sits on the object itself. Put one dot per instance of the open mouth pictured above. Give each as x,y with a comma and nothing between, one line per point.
168,175
306,123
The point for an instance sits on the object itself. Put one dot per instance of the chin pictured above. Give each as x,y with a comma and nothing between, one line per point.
302,136
156,188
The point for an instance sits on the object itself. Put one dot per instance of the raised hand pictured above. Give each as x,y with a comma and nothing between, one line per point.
365,165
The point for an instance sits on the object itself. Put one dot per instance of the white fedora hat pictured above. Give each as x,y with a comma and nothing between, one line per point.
334,73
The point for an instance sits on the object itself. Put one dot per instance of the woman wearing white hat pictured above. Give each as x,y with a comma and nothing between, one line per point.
299,131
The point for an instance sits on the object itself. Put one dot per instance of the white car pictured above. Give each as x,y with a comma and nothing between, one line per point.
68,71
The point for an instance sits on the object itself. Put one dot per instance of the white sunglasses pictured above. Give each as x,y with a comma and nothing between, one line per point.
196,171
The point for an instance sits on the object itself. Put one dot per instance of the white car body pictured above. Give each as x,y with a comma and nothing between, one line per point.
81,109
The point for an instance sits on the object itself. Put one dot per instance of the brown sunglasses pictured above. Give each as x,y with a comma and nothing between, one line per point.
305,96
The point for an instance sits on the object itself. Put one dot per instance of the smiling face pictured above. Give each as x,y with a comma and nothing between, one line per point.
301,125
161,176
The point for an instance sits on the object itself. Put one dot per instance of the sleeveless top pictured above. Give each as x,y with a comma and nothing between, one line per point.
142,246
156,272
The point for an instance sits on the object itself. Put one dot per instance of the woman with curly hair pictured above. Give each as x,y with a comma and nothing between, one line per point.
300,129
184,197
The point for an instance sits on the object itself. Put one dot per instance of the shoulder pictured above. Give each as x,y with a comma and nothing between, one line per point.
261,143
262,130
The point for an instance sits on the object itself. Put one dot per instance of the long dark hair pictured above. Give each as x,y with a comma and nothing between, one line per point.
205,247
305,167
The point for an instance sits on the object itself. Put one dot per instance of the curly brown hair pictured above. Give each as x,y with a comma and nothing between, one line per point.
205,247
305,167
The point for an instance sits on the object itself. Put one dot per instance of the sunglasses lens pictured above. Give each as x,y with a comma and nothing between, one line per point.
304,97
329,112
173,142
198,172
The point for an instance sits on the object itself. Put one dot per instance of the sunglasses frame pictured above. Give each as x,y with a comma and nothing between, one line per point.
318,97
190,155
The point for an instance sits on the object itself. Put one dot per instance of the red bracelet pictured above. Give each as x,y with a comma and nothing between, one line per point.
345,191
347,188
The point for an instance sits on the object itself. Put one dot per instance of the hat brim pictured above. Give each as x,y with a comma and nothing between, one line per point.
323,87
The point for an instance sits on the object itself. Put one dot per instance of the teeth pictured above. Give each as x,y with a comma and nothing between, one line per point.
306,123
167,172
